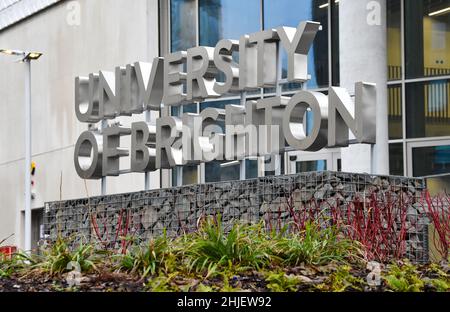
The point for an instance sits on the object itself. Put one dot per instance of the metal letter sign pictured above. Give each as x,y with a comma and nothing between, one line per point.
263,127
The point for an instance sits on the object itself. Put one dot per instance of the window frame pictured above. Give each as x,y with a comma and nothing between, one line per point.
165,46
407,152
433,142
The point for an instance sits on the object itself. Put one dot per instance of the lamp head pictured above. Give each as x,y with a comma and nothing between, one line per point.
12,52
31,56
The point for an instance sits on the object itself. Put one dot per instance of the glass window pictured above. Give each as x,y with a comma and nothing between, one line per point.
216,171
335,43
291,13
218,104
431,160
225,170
187,108
427,109
251,168
395,111
182,25
271,163
394,40
227,19
396,159
427,38
307,165
310,165
189,175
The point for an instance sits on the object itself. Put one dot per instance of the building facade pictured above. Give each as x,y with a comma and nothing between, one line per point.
402,45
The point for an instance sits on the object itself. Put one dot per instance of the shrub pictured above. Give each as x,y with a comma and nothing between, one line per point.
145,260
59,257
242,247
376,220
313,245
438,211
15,264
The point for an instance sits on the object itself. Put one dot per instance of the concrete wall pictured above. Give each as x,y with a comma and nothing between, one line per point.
110,33
362,27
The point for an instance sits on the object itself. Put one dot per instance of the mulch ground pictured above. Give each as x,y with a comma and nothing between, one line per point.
253,281
99,282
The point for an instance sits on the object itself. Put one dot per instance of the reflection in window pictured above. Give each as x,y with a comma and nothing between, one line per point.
427,109
182,25
291,13
431,160
395,111
427,38
227,19
394,40
396,159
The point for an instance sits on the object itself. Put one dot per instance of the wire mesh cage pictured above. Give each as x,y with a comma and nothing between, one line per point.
382,211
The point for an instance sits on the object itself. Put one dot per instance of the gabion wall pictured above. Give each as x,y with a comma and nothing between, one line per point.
145,214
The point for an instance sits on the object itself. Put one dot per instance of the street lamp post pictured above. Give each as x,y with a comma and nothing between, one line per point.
26,58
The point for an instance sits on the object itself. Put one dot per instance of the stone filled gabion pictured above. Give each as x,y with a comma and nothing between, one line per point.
146,214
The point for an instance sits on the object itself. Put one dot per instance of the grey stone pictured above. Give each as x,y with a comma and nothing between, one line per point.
322,192
149,217
412,214
166,208
306,194
231,211
265,207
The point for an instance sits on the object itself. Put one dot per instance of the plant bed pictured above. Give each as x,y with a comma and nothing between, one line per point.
334,278
244,258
